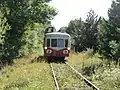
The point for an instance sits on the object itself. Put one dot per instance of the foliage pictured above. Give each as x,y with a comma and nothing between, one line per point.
21,14
113,12
106,75
112,33
81,32
109,41
99,34
75,28
62,29
91,32
26,76
33,39
66,78
4,28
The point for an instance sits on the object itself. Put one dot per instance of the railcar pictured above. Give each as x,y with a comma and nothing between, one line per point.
57,45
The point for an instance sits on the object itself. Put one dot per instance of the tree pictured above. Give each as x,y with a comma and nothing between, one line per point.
75,29
62,29
113,12
90,32
4,28
109,33
33,39
85,33
22,13
109,41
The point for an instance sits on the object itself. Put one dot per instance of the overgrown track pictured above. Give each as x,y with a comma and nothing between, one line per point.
55,80
85,79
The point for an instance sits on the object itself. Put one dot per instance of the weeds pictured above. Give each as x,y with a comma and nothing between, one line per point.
33,73
24,75
104,73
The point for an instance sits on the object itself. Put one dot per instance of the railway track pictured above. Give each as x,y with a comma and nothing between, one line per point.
89,83
55,80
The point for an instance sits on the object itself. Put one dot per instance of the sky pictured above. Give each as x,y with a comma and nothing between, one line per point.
74,9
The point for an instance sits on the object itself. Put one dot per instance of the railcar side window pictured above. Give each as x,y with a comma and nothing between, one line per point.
48,42
60,43
66,42
54,42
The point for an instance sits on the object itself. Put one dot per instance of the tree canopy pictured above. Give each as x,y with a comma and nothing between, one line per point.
113,12
81,31
19,16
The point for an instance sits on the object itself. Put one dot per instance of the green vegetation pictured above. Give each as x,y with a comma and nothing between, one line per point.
24,75
23,23
81,32
22,27
102,73
114,15
97,33
67,79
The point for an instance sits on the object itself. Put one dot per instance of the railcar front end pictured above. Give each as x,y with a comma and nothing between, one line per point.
57,45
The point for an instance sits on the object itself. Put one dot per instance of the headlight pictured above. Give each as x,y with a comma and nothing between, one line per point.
68,48
45,47
65,51
49,51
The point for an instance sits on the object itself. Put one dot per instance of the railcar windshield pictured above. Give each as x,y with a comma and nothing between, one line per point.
60,43
57,42
54,42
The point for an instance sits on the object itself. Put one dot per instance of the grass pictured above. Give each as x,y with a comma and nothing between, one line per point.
67,79
104,74
24,75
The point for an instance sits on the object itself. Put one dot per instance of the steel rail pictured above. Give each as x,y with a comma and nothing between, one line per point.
85,79
55,80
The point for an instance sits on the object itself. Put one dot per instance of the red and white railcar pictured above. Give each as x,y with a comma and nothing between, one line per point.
57,45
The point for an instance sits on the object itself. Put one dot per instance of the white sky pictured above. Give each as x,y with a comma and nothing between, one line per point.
72,9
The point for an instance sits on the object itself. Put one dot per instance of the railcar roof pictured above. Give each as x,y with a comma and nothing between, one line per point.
58,33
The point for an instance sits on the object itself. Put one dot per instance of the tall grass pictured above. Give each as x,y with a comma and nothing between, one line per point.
24,75
104,73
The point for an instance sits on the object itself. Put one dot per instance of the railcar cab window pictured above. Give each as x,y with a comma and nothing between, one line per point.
66,42
48,42
54,42
60,43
